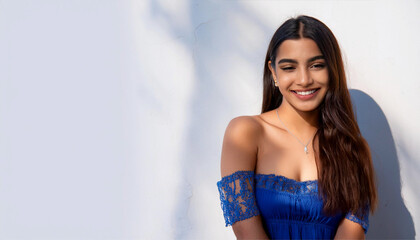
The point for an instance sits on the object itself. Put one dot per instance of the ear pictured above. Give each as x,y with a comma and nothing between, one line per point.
273,72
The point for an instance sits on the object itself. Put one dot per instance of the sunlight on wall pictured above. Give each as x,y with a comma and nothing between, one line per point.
112,113
221,49
161,81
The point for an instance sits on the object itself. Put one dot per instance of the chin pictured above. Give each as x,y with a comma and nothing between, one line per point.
312,108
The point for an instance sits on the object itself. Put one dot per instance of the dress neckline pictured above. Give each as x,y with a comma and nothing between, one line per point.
287,179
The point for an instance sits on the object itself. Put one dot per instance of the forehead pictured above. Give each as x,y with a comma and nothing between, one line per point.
300,49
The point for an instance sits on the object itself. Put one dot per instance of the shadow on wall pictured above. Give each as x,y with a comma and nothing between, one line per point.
391,219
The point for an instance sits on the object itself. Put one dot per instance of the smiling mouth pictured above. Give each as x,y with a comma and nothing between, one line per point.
305,92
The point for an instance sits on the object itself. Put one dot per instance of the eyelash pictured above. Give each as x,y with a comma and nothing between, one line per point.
318,66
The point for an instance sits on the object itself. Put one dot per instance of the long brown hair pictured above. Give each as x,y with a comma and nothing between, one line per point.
346,178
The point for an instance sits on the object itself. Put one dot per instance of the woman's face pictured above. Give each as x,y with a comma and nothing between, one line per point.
301,74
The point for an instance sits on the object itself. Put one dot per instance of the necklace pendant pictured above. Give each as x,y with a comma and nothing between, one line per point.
306,150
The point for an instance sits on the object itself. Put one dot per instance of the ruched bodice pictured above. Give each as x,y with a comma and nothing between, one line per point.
289,209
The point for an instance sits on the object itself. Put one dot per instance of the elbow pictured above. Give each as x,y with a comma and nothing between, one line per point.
249,232
241,232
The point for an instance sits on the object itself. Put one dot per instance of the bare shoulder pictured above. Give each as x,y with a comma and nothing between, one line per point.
243,126
240,145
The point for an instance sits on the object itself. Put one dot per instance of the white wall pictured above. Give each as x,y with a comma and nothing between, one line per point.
112,113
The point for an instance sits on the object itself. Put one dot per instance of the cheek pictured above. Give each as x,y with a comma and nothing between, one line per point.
325,81
321,78
324,76
285,79
284,84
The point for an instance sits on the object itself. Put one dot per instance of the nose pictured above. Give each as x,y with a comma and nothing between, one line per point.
304,77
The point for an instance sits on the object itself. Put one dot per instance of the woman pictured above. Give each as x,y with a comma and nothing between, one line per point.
300,169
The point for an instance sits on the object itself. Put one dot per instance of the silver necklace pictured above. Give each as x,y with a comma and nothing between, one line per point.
284,125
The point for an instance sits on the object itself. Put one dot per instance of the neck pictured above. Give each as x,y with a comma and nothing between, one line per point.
302,123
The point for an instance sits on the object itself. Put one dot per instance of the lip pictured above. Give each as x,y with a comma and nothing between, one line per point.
306,97
304,90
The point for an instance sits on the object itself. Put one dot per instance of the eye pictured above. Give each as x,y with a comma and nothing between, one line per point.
318,65
287,69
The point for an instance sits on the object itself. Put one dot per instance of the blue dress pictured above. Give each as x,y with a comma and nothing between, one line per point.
289,209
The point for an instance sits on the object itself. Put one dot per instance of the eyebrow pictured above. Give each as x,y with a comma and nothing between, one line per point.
294,61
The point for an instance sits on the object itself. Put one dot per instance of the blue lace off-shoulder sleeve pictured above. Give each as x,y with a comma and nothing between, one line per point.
360,218
237,196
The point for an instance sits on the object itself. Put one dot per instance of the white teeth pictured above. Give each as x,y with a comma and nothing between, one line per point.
306,92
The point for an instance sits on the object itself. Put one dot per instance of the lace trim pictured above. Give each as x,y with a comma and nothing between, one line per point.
284,184
237,196
360,218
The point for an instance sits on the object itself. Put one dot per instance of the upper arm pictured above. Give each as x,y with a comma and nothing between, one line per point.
349,230
354,225
239,151
238,160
